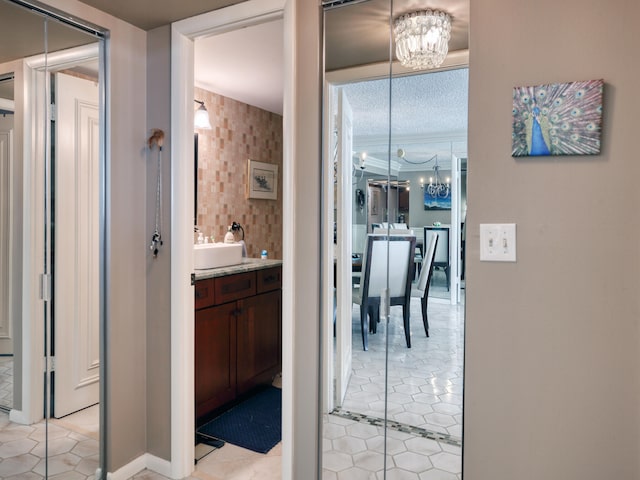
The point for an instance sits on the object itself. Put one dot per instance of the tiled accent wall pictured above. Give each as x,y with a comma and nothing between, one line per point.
239,132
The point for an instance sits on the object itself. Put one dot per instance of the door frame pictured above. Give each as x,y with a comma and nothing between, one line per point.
33,325
183,34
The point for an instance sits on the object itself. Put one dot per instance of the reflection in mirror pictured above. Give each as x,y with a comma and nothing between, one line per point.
51,234
6,267
390,403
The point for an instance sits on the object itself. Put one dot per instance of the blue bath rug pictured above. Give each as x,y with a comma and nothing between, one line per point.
255,424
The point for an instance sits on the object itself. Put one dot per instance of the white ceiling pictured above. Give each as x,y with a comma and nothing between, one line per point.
245,64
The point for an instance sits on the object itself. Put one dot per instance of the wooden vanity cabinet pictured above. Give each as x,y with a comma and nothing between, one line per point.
238,336
259,337
215,354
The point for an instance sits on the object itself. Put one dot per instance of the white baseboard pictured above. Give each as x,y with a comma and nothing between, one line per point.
158,465
18,416
146,461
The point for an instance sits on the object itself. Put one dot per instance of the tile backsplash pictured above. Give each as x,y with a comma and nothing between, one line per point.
239,132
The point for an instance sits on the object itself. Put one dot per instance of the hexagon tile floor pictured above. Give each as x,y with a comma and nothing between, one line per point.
73,448
423,438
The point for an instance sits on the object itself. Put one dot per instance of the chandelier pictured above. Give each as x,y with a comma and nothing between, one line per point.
422,38
437,188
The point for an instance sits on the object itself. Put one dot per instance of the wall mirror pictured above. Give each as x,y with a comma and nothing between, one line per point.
51,241
392,398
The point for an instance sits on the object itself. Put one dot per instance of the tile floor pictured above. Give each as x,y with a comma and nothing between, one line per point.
6,381
424,438
72,449
425,414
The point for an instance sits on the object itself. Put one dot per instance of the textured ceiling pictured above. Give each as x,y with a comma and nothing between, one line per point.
430,102
428,118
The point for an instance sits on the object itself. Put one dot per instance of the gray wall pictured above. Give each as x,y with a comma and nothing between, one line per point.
159,269
551,378
127,246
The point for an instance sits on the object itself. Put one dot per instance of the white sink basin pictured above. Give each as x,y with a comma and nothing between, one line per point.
214,255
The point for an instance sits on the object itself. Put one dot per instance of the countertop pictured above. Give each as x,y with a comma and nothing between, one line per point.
247,265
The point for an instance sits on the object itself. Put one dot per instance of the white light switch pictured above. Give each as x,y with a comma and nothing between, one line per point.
498,242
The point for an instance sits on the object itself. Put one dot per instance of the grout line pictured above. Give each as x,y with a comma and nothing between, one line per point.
400,427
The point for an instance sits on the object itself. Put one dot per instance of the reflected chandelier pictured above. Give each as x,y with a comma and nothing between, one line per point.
437,188
422,38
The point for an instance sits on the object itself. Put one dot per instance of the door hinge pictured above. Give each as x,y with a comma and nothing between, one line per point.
52,111
45,287
51,364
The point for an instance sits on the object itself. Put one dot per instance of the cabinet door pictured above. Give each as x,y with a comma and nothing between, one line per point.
259,342
215,362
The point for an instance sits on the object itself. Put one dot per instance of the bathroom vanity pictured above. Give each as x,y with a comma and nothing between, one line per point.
238,332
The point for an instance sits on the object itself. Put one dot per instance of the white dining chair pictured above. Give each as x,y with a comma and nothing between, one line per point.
421,289
392,255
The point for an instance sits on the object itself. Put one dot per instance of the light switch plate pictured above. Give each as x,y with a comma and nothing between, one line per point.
498,242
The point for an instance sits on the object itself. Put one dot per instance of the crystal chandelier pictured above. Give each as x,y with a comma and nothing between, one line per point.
437,188
422,38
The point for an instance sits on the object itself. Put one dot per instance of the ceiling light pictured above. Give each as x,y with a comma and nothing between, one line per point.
437,188
422,38
201,118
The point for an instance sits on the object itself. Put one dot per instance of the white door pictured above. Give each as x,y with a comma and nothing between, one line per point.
343,246
76,247
6,209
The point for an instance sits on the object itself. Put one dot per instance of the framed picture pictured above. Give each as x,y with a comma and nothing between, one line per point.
436,201
262,180
557,119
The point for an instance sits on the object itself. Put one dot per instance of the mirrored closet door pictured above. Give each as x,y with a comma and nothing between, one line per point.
51,241
392,354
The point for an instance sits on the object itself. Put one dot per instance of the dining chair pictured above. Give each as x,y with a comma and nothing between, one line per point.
392,254
421,288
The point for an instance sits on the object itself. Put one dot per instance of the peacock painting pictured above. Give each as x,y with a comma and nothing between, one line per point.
558,119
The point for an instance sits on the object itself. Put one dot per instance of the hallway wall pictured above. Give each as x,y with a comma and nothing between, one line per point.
552,365
158,298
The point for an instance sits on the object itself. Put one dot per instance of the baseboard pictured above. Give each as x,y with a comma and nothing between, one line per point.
159,465
18,416
146,461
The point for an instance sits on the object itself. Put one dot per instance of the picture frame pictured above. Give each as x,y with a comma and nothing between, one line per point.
557,119
433,201
262,180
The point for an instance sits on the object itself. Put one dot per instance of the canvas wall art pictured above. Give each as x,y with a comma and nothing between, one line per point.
434,200
557,119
